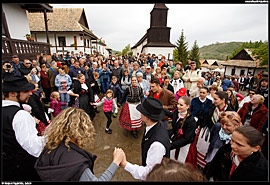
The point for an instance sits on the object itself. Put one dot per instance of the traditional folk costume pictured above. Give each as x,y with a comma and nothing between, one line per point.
155,142
20,143
130,117
86,96
204,133
182,135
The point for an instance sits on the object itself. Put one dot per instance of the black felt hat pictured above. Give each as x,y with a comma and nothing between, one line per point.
16,84
151,108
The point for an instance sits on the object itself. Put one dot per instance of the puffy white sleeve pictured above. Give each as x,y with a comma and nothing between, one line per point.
24,126
154,156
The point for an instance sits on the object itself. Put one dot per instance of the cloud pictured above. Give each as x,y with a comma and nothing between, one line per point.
123,24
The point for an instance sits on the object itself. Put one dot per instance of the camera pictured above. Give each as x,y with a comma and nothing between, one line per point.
8,66
248,116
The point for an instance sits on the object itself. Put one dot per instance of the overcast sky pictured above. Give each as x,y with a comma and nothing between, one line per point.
123,24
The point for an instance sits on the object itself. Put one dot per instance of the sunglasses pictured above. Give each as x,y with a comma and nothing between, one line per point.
27,63
252,93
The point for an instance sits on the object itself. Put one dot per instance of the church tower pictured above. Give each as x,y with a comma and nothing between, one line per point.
157,39
159,33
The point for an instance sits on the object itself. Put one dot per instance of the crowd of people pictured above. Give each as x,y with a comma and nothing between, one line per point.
199,126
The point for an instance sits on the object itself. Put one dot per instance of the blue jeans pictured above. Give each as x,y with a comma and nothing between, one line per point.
64,97
105,86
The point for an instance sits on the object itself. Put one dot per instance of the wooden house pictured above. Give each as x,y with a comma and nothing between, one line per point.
243,63
211,64
15,29
68,30
100,47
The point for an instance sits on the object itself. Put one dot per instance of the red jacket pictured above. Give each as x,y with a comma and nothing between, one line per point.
56,106
258,117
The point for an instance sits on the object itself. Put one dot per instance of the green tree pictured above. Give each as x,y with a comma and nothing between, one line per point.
181,51
258,48
194,54
127,50
262,53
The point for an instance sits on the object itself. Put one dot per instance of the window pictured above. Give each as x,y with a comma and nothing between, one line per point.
242,72
62,41
233,71
3,29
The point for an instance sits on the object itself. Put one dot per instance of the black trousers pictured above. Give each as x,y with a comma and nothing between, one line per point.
109,118
19,168
241,87
47,92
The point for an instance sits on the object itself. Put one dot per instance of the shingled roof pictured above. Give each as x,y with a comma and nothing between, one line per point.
252,63
62,19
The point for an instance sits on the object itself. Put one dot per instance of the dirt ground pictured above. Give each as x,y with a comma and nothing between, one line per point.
105,143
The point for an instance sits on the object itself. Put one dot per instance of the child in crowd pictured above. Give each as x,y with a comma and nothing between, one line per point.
56,104
117,91
109,105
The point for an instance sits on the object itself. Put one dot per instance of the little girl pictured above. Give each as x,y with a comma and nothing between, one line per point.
56,104
109,105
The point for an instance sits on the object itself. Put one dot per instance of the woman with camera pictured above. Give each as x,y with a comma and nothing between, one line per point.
7,70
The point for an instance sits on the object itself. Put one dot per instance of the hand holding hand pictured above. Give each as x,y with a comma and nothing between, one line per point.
118,156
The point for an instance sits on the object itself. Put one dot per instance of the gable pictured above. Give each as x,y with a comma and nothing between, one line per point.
242,55
215,64
205,62
83,20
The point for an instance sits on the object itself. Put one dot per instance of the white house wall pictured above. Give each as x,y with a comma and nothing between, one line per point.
41,37
167,52
238,70
17,21
139,48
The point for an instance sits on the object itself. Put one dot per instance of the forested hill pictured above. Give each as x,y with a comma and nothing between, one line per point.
218,51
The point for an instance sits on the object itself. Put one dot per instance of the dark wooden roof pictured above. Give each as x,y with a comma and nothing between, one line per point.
140,41
158,44
244,54
37,7
158,35
160,6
